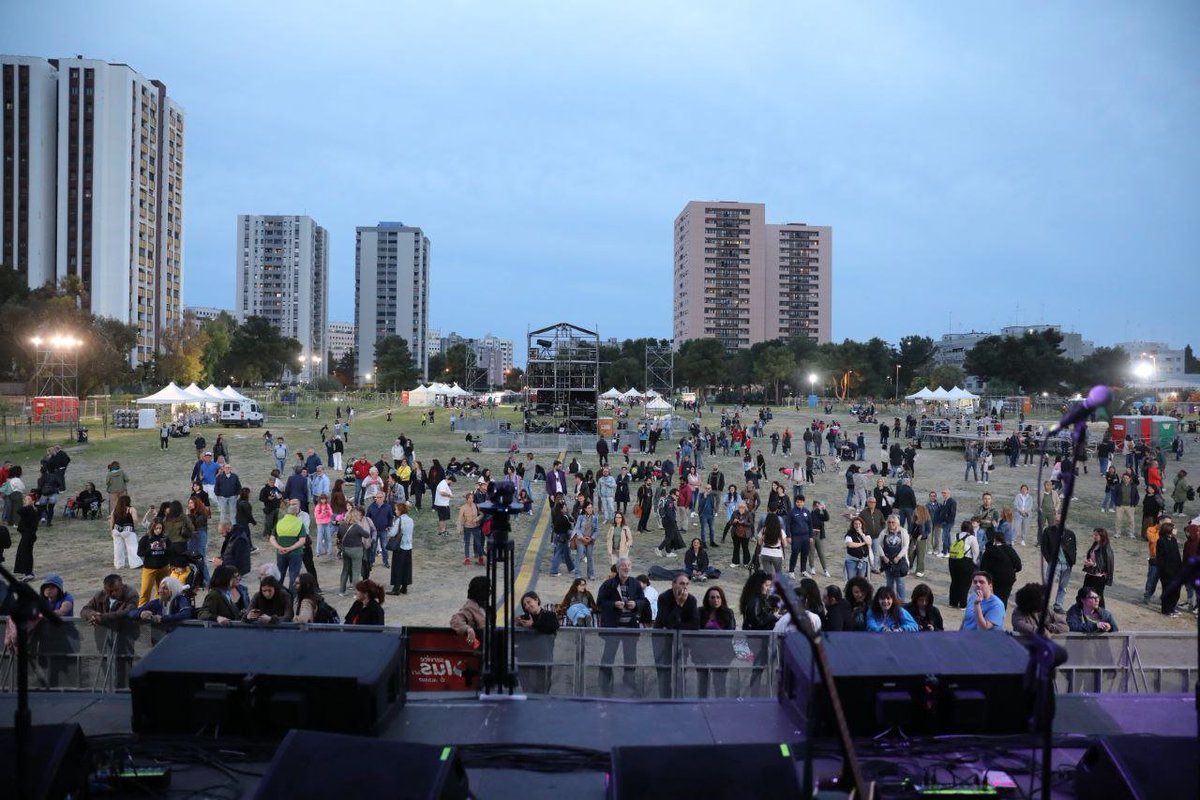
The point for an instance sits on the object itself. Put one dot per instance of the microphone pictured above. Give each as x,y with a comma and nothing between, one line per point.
1098,397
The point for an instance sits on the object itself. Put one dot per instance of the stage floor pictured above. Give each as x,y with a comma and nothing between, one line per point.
600,724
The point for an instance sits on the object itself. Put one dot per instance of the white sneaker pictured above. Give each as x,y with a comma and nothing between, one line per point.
827,575
792,575
920,574
658,552
731,564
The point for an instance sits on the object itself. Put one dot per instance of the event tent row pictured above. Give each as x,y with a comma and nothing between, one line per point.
940,394
171,394
426,395
628,394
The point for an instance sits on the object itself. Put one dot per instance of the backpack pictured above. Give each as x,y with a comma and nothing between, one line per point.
958,548
1191,493
326,614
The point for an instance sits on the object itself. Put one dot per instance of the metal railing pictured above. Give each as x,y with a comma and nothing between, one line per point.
622,663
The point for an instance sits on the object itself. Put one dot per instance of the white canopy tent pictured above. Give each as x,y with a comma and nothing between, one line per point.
198,393
230,393
631,394
925,394
658,404
612,394
168,395
939,394
456,391
213,393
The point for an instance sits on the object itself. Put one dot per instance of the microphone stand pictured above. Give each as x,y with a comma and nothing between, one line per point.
851,769
1045,656
499,650
26,607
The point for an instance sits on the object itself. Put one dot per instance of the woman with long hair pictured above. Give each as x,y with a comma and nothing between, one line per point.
858,595
578,606
197,544
887,615
123,522
367,608
154,550
858,549
922,609
771,540
226,598
308,598
758,614
619,539
270,604
712,655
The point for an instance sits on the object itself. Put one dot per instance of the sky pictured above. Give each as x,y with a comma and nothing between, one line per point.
981,164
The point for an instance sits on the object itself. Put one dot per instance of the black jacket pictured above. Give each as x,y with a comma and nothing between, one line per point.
1166,555
838,617
1002,563
610,593
1050,544
758,616
369,614
673,616
235,550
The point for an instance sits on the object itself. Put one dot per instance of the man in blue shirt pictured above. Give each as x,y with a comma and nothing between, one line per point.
985,611
799,530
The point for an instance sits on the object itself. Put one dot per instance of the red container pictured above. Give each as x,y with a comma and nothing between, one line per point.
439,660
56,408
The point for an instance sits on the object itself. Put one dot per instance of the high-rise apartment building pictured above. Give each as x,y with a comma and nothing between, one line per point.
743,281
92,176
391,291
339,338
283,275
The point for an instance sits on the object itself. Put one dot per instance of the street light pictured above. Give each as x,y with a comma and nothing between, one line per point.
1146,371
897,383
56,372
812,383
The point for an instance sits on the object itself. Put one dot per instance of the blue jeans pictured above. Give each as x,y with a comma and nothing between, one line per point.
1151,581
228,507
861,453
1104,462
972,467
897,586
857,566
905,515
706,523
850,496
1063,575
472,536
562,554
583,551
291,563
198,545
946,526
324,538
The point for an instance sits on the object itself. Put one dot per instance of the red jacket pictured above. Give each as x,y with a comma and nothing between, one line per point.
361,468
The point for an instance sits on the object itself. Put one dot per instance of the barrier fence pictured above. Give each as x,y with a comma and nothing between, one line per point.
596,662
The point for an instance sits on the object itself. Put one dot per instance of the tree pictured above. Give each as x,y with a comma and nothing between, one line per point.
258,352
182,356
701,363
915,357
1032,361
773,364
514,379
947,376
1191,365
1107,365
343,370
218,338
394,367
456,364
437,365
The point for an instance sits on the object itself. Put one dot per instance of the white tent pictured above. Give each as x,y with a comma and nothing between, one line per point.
925,394
232,394
420,396
198,393
168,395
612,394
939,394
658,404
632,394
456,391
213,393
960,394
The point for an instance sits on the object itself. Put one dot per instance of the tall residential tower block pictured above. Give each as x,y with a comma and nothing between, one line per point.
743,281
391,292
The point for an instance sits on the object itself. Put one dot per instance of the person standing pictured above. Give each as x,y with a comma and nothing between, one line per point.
1002,562
677,611
289,540
116,484
1127,499
947,514
893,554
1099,563
470,522
584,535
401,543
1022,511
1170,563
963,555
27,526
123,522
800,531
706,509
606,492
164,436
353,540
281,453
442,496
645,499
227,489
622,604
672,541
1062,566
154,550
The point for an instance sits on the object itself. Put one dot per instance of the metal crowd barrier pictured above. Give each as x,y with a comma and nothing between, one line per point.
543,442
622,663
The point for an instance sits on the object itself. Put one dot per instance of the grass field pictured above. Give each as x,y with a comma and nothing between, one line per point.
81,551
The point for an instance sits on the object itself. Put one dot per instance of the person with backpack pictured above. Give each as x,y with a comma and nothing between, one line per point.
963,553
310,605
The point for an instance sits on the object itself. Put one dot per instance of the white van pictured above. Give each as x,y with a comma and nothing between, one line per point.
244,413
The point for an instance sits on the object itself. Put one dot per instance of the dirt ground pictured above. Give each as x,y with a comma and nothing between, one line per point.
81,551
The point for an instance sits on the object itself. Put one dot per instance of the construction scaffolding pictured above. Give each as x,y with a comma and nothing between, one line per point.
476,369
660,368
562,380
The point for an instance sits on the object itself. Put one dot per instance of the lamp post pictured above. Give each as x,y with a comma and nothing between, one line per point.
897,383
308,366
1146,371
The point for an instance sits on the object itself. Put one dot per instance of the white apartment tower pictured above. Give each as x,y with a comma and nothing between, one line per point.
93,175
391,291
283,275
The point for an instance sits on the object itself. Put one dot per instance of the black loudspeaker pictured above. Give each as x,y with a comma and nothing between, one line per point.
1139,768
944,682
324,765
713,771
57,766
264,682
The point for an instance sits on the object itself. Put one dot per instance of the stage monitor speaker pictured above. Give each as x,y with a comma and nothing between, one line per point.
945,682
1139,768
318,766
57,767
263,682
714,771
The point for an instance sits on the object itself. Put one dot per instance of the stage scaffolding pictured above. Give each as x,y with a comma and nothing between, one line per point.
562,379
660,369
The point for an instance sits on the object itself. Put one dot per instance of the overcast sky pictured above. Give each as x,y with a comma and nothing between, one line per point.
1025,162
